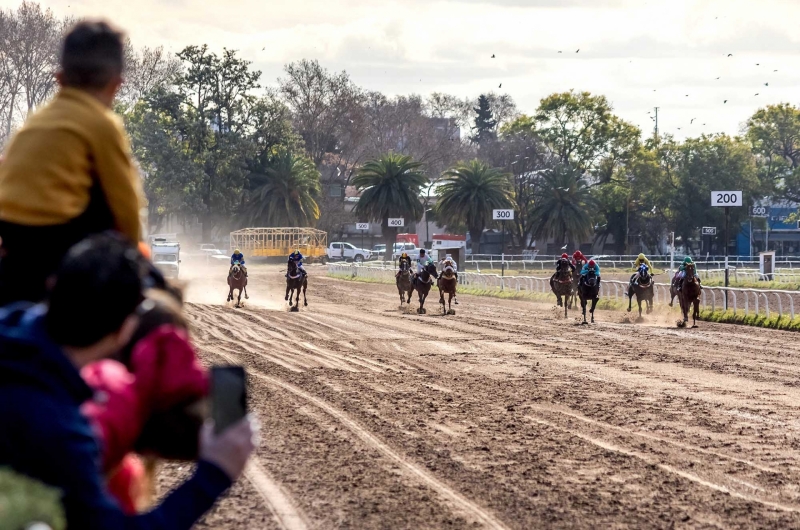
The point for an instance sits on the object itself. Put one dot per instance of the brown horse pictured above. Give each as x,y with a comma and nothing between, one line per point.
447,284
688,291
422,284
561,284
404,283
237,280
295,280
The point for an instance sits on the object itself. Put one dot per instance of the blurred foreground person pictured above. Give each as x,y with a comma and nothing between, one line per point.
93,312
67,172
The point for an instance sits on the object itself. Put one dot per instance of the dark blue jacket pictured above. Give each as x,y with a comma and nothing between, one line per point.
237,257
44,435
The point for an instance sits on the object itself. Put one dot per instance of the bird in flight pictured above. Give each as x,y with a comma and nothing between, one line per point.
730,55
679,128
692,121
774,70
718,79
758,64
501,85
766,84
264,48
687,95
559,51
564,247
492,56
756,93
724,101
576,51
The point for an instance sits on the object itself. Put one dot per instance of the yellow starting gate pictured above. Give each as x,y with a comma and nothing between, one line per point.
280,242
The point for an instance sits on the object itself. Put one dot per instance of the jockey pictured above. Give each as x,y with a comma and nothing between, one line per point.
682,271
404,258
590,266
423,262
641,259
578,259
448,264
238,256
564,256
297,258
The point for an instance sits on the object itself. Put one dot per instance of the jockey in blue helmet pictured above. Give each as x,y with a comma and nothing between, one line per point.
238,256
297,258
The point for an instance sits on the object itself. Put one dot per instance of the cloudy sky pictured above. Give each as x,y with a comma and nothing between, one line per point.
639,53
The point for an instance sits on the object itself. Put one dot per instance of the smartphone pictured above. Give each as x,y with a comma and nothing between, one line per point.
228,396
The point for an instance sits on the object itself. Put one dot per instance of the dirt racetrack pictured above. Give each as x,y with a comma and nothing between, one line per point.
502,416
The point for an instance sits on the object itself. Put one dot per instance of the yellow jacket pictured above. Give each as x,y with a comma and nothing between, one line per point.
61,151
640,261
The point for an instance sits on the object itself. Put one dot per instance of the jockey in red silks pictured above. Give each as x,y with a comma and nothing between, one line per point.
578,259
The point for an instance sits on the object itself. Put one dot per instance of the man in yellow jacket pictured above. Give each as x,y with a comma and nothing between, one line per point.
68,172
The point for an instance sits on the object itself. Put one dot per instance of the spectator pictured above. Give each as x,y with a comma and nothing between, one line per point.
92,314
68,172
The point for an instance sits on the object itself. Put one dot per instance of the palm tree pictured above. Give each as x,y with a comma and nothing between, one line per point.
390,187
562,209
286,193
469,192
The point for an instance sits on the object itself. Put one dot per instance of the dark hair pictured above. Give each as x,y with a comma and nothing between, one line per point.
92,55
97,286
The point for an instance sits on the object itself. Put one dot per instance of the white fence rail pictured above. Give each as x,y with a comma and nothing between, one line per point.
750,301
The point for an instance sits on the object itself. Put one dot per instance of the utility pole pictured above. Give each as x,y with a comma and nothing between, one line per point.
656,130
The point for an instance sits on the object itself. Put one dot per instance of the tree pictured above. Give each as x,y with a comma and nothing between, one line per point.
715,162
390,187
146,70
286,193
484,122
468,194
774,134
563,207
582,130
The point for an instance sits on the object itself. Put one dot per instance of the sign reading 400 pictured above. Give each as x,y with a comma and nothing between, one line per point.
726,198
396,222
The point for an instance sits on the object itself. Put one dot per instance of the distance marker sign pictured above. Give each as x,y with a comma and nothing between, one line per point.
503,215
726,198
397,222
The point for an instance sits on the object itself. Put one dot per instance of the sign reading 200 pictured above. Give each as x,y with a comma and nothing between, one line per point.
726,198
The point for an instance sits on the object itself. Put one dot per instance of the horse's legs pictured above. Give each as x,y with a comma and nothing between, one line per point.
594,304
239,299
245,291
230,293
288,287
450,297
297,300
305,300
583,309
639,301
630,300
696,312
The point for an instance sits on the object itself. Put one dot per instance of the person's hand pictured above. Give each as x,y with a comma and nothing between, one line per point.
230,449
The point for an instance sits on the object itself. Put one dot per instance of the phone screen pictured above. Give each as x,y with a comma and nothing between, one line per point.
228,396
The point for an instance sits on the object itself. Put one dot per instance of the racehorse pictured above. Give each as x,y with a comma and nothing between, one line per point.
643,289
589,289
688,291
561,283
404,282
423,286
237,280
295,280
576,278
447,284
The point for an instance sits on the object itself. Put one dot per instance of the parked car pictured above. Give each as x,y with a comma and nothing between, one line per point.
347,252
409,248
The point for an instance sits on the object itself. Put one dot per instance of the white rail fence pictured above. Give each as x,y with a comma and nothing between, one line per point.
750,301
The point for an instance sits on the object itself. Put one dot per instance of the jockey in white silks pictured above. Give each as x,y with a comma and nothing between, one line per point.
448,264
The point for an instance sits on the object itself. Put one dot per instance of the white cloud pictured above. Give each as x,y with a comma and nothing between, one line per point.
628,48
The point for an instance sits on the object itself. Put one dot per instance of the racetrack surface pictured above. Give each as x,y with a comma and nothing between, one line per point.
502,416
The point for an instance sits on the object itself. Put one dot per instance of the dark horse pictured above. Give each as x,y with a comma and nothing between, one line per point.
643,289
576,278
447,284
561,283
687,290
405,286
237,279
423,286
589,289
295,280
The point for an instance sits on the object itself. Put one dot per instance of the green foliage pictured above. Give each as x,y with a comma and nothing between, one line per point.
390,187
484,122
583,132
774,134
716,162
563,208
286,193
24,501
469,192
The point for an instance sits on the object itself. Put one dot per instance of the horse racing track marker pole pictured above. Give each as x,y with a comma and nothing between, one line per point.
503,216
726,199
363,227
